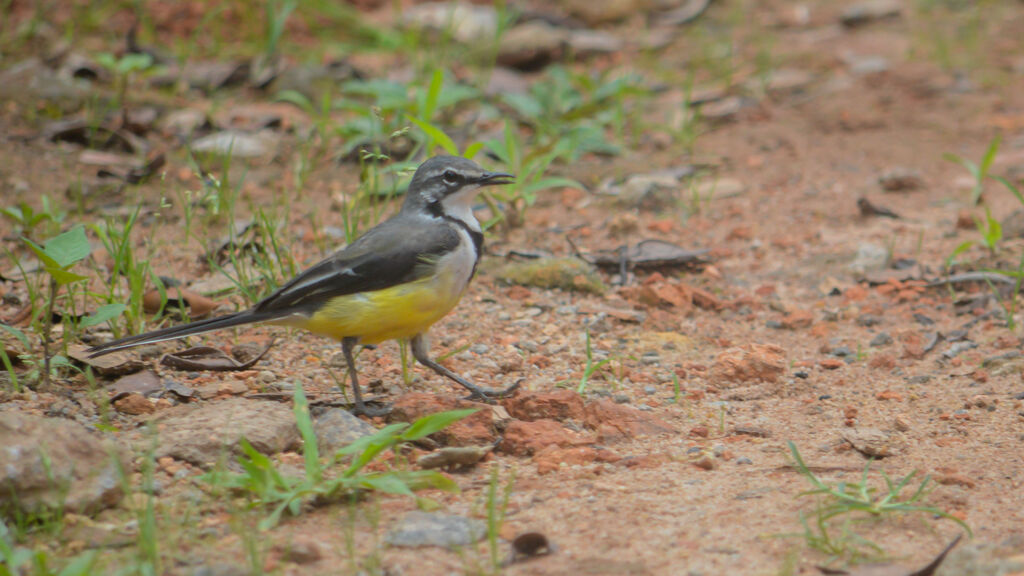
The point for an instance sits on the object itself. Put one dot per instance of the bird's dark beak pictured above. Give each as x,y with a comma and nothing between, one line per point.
495,179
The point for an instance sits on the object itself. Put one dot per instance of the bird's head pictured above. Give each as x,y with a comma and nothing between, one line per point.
448,184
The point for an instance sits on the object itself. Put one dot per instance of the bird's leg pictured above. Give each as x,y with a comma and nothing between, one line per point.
347,344
421,351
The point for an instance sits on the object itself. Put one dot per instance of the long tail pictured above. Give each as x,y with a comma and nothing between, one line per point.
173,332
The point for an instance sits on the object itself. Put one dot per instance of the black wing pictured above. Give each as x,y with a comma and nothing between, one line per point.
395,252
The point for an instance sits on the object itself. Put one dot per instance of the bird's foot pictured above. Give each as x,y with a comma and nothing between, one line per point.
487,395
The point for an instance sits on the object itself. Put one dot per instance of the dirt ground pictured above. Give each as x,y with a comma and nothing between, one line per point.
794,331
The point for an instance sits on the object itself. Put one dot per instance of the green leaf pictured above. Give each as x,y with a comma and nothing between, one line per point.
433,92
387,482
473,149
1013,189
434,422
80,566
310,451
102,314
69,247
297,98
16,333
436,135
990,155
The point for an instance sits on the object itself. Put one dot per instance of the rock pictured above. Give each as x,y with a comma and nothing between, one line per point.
475,429
30,81
302,550
869,258
867,11
435,529
798,319
554,457
202,434
467,23
570,274
336,428
184,122
56,464
751,430
558,405
901,180
454,457
531,45
597,12
981,558
751,363
237,144
584,43
720,188
134,404
145,383
527,438
617,421
870,442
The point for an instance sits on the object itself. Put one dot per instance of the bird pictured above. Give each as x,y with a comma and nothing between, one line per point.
393,282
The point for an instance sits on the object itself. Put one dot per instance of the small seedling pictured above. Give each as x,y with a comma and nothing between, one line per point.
979,171
592,367
59,255
852,503
266,485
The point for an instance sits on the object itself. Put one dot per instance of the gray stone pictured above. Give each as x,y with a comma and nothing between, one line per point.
434,529
465,22
56,464
881,339
337,428
870,257
237,144
860,13
201,434
531,45
31,81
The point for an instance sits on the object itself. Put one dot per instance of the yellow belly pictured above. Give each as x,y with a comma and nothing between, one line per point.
398,312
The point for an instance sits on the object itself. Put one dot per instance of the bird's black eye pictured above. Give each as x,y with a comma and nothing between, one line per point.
450,176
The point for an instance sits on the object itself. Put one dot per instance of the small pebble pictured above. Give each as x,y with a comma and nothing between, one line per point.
881,339
620,399
825,397
801,374
479,348
650,389
842,351
868,320
775,324
744,460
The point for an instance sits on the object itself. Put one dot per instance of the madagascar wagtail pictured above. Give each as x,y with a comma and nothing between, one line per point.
393,282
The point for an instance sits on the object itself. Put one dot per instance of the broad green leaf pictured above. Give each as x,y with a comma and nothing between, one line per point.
69,247
103,313
429,424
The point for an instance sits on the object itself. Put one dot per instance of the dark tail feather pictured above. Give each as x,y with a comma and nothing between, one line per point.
173,332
